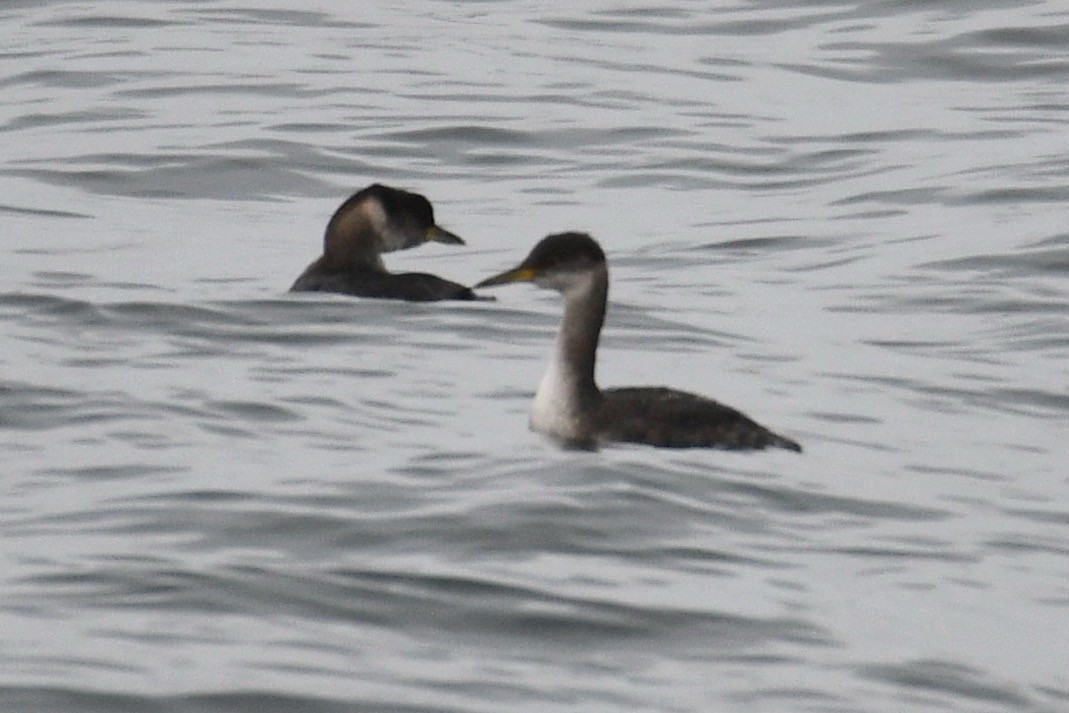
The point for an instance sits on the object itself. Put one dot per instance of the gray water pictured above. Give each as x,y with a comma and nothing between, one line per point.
847,220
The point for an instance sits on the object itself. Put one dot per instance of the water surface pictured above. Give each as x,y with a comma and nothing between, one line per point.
846,220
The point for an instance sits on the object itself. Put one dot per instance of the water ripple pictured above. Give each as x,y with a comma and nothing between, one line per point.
844,219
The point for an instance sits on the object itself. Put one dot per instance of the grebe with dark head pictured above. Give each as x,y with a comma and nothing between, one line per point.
377,220
568,404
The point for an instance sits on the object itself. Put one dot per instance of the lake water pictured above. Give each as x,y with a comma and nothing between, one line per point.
846,219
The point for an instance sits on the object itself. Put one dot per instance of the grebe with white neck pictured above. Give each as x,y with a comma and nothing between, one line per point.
568,404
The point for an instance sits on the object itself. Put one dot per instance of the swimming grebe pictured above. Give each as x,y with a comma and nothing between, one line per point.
377,220
569,405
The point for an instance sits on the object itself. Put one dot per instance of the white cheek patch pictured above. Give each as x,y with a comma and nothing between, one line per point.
560,281
375,215
575,285
390,238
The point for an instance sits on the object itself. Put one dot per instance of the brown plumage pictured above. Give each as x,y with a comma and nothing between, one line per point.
373,221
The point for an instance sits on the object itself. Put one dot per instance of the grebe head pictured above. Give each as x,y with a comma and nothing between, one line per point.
384,219
563,262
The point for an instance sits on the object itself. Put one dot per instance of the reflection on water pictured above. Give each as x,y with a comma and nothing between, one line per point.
846,221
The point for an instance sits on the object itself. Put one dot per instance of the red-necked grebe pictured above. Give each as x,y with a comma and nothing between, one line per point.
377,220
569,405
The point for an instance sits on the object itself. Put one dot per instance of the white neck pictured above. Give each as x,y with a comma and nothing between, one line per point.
568,389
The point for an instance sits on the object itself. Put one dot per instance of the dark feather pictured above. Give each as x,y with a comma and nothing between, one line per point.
410,286
668,418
